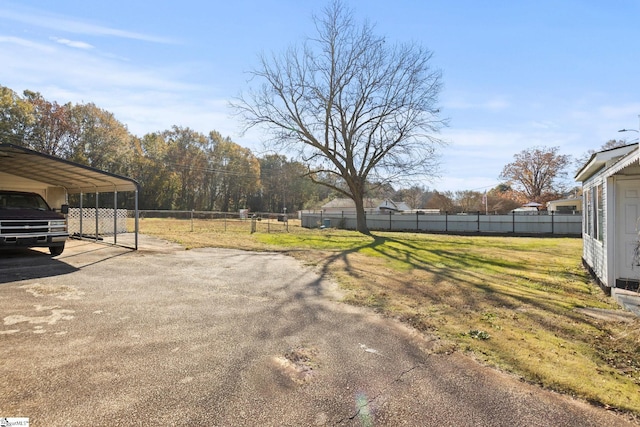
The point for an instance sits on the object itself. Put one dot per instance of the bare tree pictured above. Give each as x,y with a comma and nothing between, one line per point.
415,196
349,105
468,200
443,201
535,172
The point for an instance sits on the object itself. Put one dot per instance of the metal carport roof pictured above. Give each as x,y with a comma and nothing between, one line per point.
74,177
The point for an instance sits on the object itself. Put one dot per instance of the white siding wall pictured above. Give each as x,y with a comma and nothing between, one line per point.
594,252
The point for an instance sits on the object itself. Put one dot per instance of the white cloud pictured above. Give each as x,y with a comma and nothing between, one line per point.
544,124
31,62
468,101
41,19
72,43
24,43
145,98
478,183
620,111
475,157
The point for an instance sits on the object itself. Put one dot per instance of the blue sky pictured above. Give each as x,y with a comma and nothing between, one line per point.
517,74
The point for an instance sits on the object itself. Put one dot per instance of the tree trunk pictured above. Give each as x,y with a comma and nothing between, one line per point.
361,218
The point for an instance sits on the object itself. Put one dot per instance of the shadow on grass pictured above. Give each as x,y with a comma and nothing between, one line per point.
477,280
458,262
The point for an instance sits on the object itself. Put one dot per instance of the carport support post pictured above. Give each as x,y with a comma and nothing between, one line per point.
81,214
136,217
115,217
97,204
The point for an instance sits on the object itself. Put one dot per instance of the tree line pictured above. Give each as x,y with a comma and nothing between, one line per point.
178,168
181,169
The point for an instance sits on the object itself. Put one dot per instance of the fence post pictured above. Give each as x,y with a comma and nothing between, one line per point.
192,220
446,221
552,225
417,221
513,222
390,221
478,221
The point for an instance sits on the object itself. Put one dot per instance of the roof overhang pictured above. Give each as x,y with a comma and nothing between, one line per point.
54,171
569,200
603,159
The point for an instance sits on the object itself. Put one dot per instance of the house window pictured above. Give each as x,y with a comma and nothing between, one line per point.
567,209
594,212
588,212
599,214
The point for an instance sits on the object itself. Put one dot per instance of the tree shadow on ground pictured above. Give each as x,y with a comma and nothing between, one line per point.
473,279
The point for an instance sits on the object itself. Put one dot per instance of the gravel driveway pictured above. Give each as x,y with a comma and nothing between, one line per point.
104,336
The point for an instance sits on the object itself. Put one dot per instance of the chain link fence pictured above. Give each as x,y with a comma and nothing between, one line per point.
205,221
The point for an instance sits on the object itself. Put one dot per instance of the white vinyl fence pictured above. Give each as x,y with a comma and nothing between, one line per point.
539,223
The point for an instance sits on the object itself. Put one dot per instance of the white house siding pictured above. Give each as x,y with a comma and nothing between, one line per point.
594,255
594,252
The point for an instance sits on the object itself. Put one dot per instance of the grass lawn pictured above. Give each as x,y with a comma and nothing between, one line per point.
510,302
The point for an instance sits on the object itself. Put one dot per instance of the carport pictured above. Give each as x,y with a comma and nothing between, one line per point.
55,178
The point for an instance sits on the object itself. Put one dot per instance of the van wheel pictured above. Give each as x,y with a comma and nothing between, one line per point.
56,250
